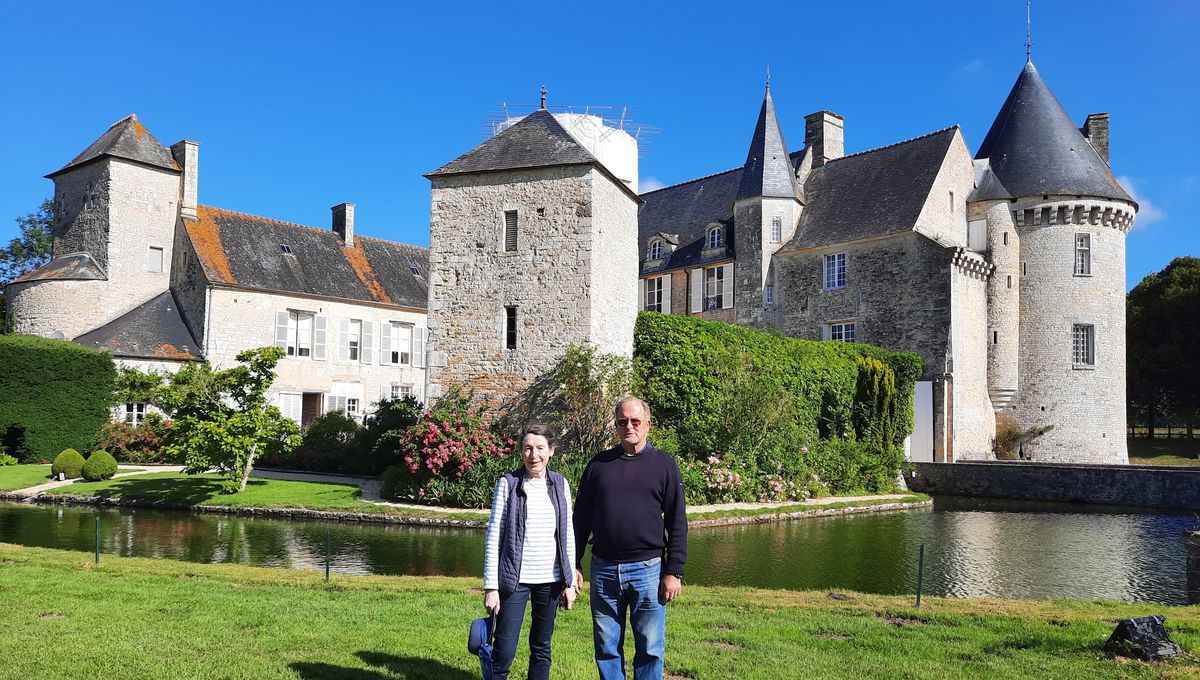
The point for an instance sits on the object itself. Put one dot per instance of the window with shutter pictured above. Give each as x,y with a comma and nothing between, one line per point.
320,332
420,334
697,292
400,352
294,333
354,340
510,231
368,342
510,327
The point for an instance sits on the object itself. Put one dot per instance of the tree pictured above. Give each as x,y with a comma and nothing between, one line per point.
222,419
26,252
1163,330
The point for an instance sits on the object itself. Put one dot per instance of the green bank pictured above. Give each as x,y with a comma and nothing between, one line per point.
66,617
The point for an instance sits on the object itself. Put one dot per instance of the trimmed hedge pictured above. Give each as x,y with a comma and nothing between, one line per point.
69,462
58,391
100,465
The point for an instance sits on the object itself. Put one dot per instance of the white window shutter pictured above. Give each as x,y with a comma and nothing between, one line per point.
641,293
666,294
697,290
343,340
727,294
281,330
419,392
368,342
385,392
418,357
320,336
385,342
826,331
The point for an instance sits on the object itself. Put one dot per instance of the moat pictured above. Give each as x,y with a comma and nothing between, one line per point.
973,548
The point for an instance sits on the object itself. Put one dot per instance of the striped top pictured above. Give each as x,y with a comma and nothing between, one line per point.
538,556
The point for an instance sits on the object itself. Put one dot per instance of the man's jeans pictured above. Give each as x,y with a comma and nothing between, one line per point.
617,588
544,600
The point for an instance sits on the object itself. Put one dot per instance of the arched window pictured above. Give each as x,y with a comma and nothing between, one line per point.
655,250
715,237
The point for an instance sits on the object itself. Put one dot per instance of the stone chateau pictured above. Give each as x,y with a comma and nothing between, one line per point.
1004,270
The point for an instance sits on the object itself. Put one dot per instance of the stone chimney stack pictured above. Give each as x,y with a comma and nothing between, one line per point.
343,222
823,134
187,155
1095,129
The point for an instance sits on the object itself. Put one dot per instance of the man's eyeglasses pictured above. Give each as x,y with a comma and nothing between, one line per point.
636,422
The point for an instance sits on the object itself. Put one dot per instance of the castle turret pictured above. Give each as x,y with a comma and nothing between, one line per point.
765,214
1049,189
532,247
115,208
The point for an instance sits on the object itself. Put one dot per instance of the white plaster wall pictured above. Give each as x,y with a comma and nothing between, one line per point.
242,320
614,264
974,421
1004,300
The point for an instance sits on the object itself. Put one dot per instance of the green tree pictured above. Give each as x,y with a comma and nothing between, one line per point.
222,419
26,252
1163,350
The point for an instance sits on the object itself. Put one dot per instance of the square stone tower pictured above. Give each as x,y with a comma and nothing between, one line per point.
532,248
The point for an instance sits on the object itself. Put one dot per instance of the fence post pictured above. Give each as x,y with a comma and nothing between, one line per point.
97,537
326,554
920,573
1192,540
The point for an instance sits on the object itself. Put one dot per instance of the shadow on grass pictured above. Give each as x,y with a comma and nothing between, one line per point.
407,667
187,491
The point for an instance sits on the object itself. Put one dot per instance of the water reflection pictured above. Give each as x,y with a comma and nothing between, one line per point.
974,548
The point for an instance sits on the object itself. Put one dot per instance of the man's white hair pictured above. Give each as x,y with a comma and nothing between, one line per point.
625,400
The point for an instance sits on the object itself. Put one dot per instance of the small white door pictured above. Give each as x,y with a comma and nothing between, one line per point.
920,442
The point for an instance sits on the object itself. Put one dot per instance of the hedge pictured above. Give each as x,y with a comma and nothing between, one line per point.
58,391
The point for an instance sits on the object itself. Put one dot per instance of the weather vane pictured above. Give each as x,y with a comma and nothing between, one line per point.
543,97
1028,24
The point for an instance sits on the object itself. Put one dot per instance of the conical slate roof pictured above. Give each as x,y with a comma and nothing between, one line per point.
768,170
128,139
537,141
1033,147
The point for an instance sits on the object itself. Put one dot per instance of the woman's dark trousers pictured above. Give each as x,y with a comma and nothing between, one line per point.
543,600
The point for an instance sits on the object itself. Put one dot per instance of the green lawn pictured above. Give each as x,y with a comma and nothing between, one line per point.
1164,451
144,618
13,477
181,489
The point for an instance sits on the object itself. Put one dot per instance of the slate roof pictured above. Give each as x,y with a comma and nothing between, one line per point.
687,209
152,330
71,267
873,193
128,139
1034,148
987,186
245,251
536,141
768,171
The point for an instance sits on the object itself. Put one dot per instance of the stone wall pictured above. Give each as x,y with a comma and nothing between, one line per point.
974,422
755,250
614,275
245,319
81,211
1151,486
189,285
1085,404
44,307
1003,300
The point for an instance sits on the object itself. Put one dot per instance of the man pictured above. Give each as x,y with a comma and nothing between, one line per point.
630,503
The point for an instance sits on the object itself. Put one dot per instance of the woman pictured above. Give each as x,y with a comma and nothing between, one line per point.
530,554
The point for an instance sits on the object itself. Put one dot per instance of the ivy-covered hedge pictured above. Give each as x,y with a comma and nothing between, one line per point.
750,411
58,391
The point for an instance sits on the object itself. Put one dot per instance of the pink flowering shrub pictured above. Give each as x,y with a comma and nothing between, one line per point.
141,444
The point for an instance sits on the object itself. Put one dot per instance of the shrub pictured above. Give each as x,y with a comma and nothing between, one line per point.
373,450
6,459
142,444
58,391
328,441
69,462
100,465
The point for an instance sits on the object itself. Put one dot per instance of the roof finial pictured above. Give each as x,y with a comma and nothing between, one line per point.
543,97
768,79
1028,26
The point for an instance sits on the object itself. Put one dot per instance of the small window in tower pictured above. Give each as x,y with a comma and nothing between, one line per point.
769,295
1010,280
776,229
951,202
1083,350
1083,254
154,260
1024,268
1004,237
510,231
995,337
541,212
510,327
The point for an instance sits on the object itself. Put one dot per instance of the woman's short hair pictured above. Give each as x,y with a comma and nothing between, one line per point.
541,430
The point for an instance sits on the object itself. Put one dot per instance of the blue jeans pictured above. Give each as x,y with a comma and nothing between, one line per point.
633,587
544,600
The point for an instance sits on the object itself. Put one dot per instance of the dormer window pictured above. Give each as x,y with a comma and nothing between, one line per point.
655,250
285,249
715,237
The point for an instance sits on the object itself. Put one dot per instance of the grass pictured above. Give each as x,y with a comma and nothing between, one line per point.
190,490
144,618
1164,451
13,477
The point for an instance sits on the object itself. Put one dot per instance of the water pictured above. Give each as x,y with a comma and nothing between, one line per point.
974,548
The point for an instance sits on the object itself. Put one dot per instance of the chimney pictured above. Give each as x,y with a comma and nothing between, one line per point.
823,134
343,222
1095,129
187,155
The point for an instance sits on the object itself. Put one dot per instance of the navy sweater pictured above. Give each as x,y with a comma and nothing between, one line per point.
632,508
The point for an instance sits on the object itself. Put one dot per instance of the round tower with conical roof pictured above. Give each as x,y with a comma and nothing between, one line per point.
1056,222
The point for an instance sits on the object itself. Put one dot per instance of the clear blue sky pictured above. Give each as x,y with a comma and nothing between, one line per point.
302,105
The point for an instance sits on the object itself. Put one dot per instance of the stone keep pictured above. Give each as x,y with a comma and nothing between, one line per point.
533,247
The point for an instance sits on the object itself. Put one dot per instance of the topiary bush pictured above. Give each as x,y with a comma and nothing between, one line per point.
100,465
69,463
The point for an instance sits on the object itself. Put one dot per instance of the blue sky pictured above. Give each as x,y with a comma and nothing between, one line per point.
302,105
